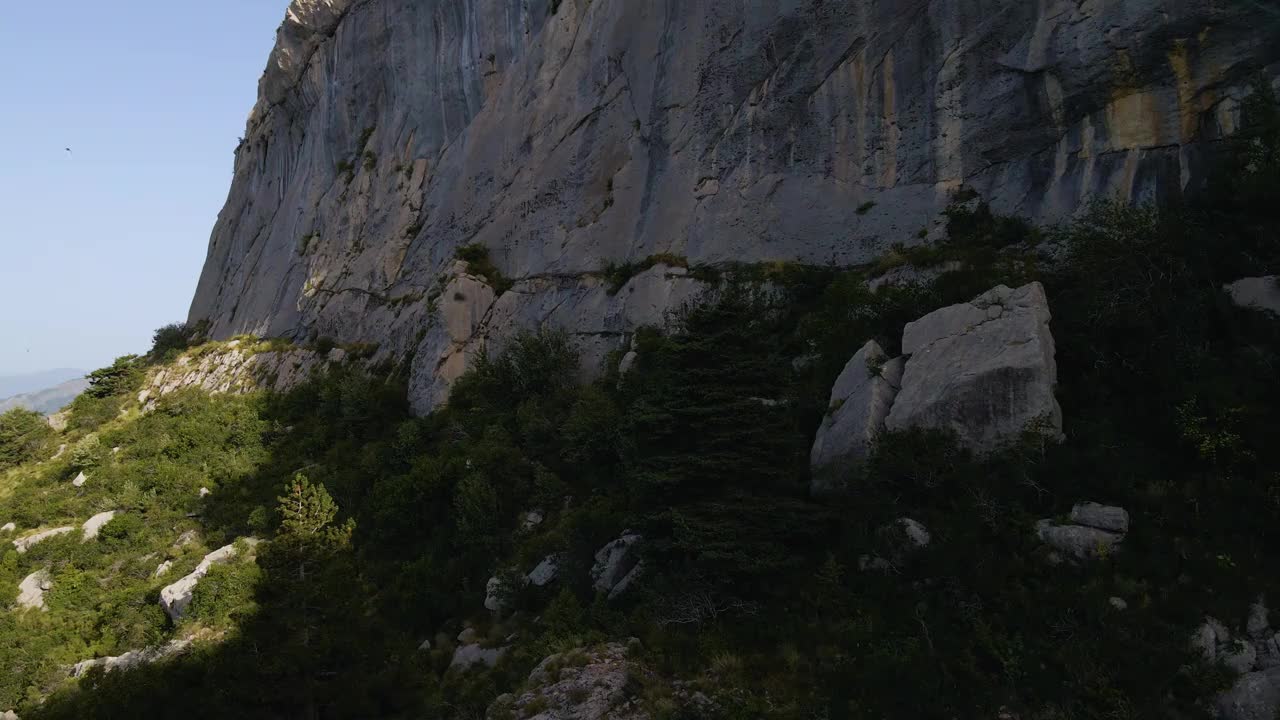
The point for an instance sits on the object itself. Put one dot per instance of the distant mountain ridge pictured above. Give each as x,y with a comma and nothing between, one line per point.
11,385
48,400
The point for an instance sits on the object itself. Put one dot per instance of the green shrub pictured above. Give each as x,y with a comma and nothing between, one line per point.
24,436
479,263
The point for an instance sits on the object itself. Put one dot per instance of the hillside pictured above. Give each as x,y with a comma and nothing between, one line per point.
608,360
48,400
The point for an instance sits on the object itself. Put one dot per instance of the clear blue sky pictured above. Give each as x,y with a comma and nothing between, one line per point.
100,246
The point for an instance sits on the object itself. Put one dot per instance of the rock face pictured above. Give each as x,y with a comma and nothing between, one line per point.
32,589
176,597
860,402
1258,293
132,659
233,369
984,370
24,544
389,133
618,565
581,685
94,524
1093,531
467,656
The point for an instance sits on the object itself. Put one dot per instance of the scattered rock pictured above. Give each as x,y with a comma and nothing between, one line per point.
1258,293
176,597
1119,604
32,589
95,523
115,450
860,401
58,421
495,593
61,449
9,527
425,646
1259,624
596,684
190,537
545,573
80,480
618,565
164,568
26,543
205,492
468,655
468,636
984,370
9,715
132,659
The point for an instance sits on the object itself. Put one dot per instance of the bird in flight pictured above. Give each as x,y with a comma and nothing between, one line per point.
69,150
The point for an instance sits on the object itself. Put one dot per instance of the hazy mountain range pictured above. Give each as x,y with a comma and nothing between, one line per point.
45,392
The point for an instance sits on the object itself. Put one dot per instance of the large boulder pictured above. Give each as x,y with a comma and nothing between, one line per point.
860,402
24,544
94,524
176,598
545,573
1257,293
467,656
1255,696
1254,655
32,589
984,370
618,565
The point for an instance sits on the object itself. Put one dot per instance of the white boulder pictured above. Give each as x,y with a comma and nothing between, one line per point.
1092,531
24,544
545,573
983,369
467,656
9,527
1101,517
163,568
176,598
80,480
32,589
94,524
131,659
860,402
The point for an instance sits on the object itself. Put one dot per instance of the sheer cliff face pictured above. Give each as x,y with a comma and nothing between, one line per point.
388,133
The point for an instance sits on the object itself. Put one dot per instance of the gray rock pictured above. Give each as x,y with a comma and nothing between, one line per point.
628,361
9,527
233,369
94,524
545,573
1239,655
9,715
205,492
32,589
496,595
132,659
860,401
470,655
1079,542
468,636
984,370
1101,517
1269,654
80,480
1119,604
586,684
617,565
916,533
176,598
1255,696
163,568
425,646
912,275
1259,624
716,130
1258,293
531,520
24,544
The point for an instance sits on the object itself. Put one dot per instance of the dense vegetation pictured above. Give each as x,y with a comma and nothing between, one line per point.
384,529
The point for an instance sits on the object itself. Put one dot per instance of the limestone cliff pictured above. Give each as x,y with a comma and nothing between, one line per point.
566,135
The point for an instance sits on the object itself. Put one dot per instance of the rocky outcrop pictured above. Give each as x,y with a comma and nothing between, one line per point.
24,544
9,527
470,655
236,368
389,133
132,659
588,684
94,524
1257,293
1254,655
984,370
545,573
176,598
618,565
1092,531
32,589
860,402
